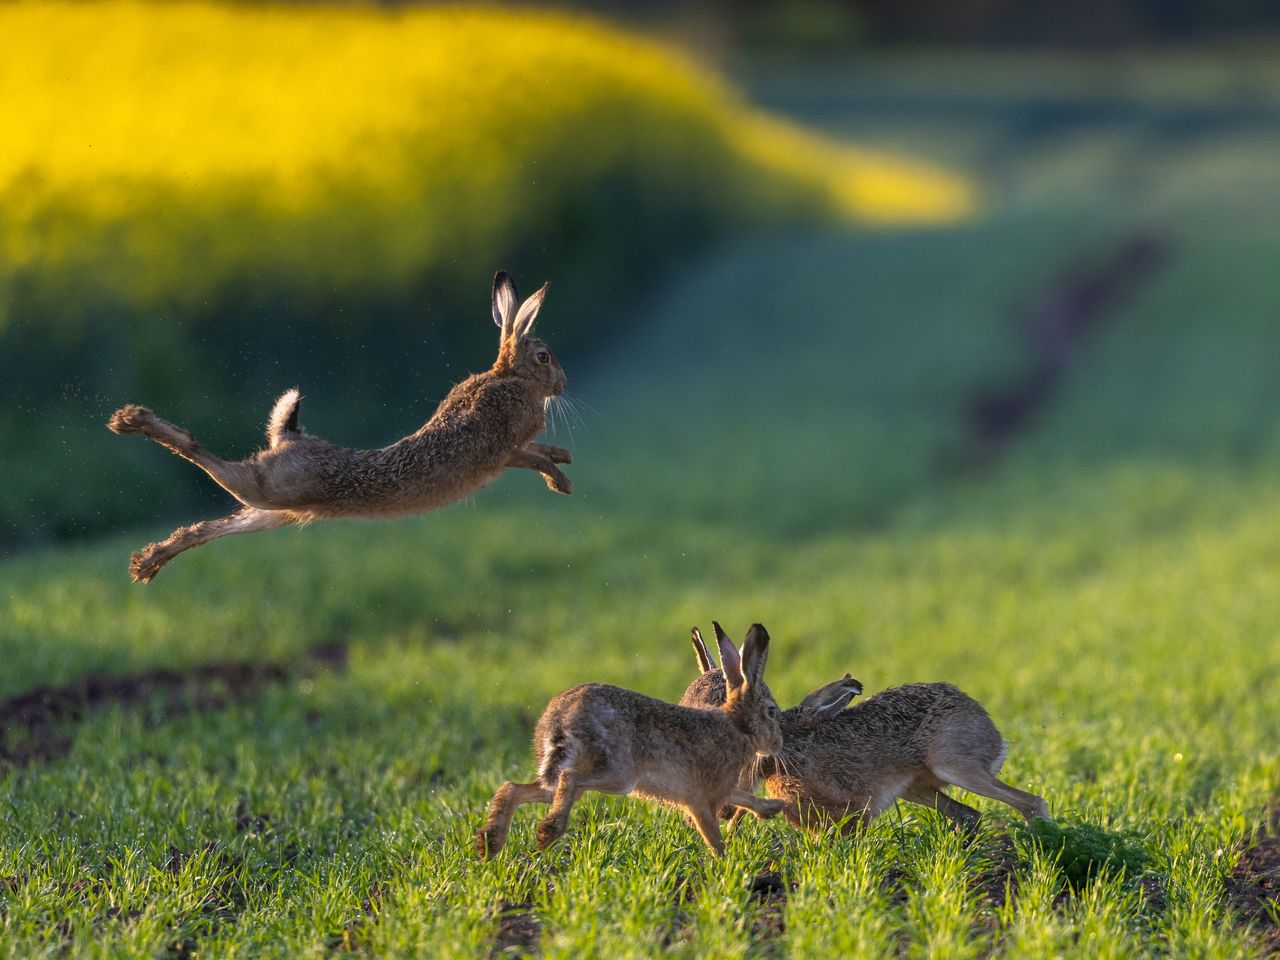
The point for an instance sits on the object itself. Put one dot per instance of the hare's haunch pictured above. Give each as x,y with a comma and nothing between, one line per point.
907,742
603,738
486,424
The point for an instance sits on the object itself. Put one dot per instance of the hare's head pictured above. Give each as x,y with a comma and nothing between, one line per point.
745,697
708,691
519,352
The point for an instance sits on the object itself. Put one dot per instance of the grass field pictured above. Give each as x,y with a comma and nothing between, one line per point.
784,437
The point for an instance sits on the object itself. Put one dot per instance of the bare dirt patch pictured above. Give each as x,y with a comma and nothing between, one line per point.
1054,327
34,724
769,890
1254,888
519,931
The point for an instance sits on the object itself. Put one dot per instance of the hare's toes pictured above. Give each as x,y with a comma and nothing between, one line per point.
488,843
558,482
559,454
548,832
130,419
769,809
144,565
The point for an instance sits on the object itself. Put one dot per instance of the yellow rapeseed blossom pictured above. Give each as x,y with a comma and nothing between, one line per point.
150,152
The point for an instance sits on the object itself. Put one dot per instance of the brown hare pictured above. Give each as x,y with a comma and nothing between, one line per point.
908,742
486,424
603,738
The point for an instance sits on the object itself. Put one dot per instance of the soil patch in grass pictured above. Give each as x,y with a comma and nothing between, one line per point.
769,890
1254,887
1064,315
33,724
519,932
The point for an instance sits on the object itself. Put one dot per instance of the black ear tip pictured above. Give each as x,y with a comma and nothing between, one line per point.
760,633
500,277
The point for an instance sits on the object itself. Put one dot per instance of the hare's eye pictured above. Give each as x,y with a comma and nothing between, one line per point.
544,356
771,712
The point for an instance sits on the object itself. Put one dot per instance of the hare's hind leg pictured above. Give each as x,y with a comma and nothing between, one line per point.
146,563
493,835
552,827
928,793
239,479
570,786
530,460
977,779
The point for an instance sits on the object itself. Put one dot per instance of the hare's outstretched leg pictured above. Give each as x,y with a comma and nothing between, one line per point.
569,788
554,454
239,479
707,822
146,563
493,835
526,458
552,827
928,795
977,779
762,808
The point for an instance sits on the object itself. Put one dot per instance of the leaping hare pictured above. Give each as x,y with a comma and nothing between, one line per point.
486,424
603,738
907,742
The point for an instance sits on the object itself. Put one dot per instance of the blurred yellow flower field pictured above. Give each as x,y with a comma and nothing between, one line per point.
355,146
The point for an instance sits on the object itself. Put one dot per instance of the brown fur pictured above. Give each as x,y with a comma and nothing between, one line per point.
603,738
485,425
908,742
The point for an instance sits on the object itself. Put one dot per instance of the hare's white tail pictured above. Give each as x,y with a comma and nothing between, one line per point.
563,753
284,417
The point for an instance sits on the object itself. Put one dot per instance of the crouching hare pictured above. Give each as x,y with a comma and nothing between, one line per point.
907,742
486,424
604,738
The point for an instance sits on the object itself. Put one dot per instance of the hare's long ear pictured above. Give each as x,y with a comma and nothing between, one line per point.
528,313
729,659
755,651
829,700
706,662
504,299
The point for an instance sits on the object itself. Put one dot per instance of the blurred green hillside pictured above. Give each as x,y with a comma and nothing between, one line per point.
205,204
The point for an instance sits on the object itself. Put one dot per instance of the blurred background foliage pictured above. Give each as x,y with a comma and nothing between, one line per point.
206,204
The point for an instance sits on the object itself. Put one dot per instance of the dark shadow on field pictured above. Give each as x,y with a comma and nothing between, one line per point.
34,725
1054,328
1253,889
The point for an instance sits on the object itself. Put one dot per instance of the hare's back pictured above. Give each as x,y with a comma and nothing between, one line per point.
604,725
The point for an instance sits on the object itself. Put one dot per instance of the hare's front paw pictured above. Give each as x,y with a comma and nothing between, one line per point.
770,808
558,454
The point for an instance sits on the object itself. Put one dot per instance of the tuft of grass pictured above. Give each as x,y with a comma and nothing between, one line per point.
1085,851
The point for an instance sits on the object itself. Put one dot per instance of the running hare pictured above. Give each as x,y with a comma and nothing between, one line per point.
909,742
486,424
598,737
